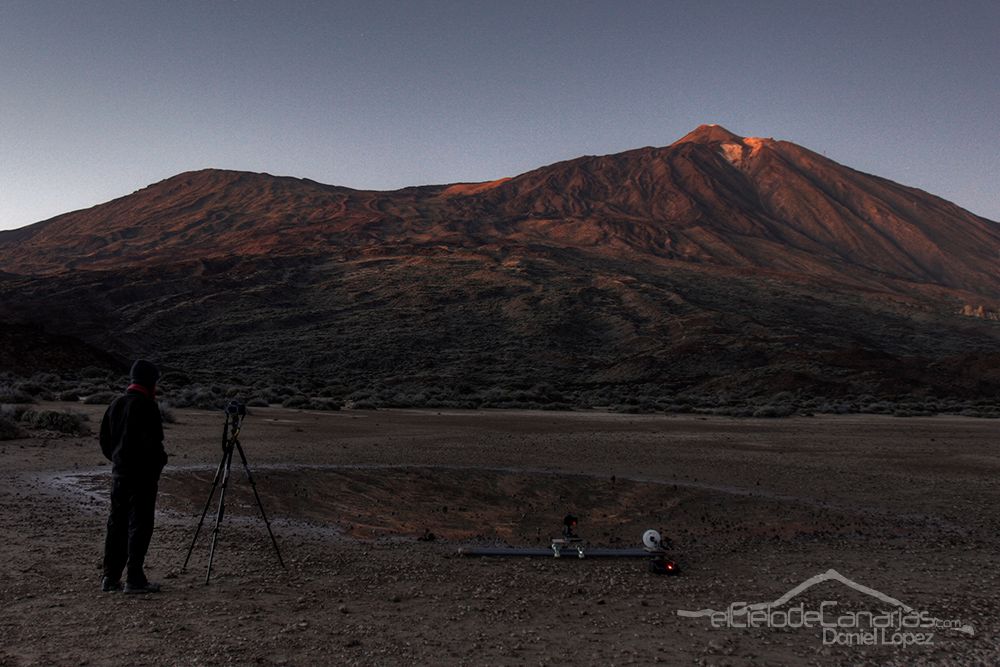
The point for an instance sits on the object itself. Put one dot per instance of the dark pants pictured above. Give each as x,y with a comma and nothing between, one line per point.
130,527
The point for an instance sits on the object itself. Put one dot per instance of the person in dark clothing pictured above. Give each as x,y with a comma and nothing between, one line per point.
132,439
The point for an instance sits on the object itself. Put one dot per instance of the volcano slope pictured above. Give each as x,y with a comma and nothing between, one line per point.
717,271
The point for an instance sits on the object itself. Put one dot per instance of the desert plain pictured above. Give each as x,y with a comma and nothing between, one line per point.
753,508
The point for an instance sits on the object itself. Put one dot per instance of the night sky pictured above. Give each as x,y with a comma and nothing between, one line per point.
98,99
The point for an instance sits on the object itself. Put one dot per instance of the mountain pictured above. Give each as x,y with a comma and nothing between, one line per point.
710,198
716,266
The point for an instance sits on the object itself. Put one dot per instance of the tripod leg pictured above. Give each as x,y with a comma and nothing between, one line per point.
215,483
228,461
260,505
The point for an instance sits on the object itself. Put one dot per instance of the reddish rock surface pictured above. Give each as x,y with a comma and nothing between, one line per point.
717,263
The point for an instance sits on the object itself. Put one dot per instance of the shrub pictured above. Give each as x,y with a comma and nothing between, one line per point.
10,394
268,395
100,398
9,429
908,411
836,407
878,407
197,397
33,389
323,404
12,412
295,402
166,413
71,396
363,404
175,379
257,402
773,411
984,413
62,422
333,391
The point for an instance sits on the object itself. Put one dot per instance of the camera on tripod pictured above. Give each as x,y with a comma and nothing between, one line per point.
235,412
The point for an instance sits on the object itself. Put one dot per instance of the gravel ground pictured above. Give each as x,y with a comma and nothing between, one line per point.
909,507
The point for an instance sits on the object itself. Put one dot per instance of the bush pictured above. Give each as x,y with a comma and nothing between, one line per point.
32,388
175,379
197,397
100,398
12,412
773,411
9,429
836,408
71,396
333,391
166,413
295,402
878,407
257,402
323,404
909,411
363,404
62,422
10,394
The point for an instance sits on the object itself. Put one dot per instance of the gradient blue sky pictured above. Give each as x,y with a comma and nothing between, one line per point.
102,98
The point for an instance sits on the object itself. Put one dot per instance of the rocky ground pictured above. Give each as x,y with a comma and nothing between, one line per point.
908,507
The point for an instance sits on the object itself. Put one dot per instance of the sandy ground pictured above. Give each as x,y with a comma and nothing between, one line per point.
908,507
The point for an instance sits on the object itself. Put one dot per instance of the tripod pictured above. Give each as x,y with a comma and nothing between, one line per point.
235,413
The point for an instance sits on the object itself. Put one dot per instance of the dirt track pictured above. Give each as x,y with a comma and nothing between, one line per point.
910,508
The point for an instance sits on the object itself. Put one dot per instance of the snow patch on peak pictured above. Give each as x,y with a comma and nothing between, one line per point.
738,152
732,152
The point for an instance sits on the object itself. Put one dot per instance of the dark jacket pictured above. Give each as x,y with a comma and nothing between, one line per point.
132,436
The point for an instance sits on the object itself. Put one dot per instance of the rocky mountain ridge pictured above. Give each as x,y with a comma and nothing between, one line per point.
716,266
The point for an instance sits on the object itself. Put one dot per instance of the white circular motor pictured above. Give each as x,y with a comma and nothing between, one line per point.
651,539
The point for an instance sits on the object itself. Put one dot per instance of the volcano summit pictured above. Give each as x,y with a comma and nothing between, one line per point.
719,270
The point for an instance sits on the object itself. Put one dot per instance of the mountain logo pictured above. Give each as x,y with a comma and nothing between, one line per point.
901,624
